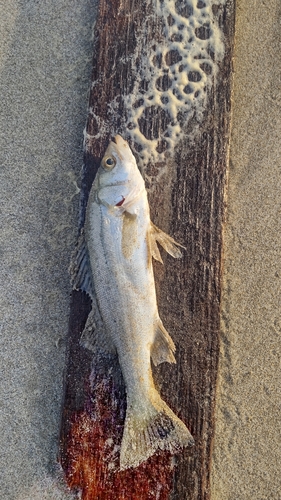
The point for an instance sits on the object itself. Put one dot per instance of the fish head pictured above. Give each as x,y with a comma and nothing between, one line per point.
118,162
119,176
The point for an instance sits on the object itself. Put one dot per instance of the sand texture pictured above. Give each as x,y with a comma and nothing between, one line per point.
247,452
45,67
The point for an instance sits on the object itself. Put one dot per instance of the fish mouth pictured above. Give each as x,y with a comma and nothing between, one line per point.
119,141
119,148
118,145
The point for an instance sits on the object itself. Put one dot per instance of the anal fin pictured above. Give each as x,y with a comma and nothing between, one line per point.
163,347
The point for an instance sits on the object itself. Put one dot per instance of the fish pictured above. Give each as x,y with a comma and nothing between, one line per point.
113,264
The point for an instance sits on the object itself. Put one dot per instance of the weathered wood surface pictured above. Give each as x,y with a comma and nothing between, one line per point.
186,195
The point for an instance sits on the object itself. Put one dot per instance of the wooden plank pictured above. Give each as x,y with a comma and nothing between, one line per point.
161,78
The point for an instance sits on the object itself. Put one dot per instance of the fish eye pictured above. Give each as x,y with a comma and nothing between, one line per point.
108,163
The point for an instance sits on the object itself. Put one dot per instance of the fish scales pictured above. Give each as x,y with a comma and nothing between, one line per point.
119,241
124,303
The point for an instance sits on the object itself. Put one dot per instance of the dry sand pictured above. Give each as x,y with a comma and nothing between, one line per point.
247,452
45,66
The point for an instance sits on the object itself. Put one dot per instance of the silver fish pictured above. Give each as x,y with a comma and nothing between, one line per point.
113,264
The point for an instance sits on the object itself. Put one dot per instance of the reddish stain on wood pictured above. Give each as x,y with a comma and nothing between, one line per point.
91,461
92,427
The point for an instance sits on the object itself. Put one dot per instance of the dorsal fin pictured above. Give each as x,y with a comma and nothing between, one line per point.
163,347
80,269
94,336
166,241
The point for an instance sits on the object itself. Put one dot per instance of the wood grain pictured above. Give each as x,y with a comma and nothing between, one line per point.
188,202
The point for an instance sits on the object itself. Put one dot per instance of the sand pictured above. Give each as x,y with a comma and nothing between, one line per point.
247,451
45,67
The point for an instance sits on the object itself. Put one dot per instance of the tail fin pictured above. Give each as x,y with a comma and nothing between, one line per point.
149,429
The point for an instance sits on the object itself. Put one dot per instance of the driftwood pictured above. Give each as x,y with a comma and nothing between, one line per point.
186,186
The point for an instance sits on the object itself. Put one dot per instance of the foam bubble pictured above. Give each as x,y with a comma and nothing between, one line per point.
177,71
171,78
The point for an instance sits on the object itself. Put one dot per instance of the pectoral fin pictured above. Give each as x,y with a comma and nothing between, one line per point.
163,347
80,269
166,241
